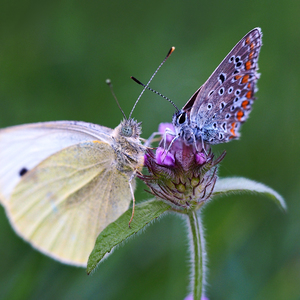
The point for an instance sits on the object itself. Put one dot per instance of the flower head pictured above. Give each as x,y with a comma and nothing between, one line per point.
179,174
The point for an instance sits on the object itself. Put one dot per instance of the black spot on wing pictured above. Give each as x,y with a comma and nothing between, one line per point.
222,78
23,171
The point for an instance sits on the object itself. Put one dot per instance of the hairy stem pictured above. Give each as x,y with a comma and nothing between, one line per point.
197,261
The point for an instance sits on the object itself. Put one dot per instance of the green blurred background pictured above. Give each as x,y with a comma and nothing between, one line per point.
54,59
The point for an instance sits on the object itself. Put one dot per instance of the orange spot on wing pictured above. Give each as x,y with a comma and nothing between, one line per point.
245,103
252,46
249,85
232,129
248,65
251,55
247,40
236,77
239,115
245,79
249,95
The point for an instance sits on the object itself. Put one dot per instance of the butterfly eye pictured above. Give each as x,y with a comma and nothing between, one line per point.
181,118
127,131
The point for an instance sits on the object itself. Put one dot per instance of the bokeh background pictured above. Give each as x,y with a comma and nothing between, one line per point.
54,59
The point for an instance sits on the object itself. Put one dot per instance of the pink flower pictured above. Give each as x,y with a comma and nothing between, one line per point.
179,174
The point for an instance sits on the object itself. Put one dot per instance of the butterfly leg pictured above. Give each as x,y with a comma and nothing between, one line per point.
152,138
203,147
175,138
195,143
168,131
164,139
133,199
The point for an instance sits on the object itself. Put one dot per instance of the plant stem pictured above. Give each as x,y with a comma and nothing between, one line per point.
197,247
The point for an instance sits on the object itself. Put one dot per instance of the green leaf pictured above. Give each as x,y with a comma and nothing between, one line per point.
118,231
239,184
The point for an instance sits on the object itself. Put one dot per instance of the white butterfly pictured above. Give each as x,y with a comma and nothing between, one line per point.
62,183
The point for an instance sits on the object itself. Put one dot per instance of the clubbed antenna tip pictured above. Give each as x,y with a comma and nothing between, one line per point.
108,82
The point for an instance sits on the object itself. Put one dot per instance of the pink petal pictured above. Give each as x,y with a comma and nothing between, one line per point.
200,158
164,158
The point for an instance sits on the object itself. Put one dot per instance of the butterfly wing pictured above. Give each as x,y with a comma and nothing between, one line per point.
23,147
62,204
225,99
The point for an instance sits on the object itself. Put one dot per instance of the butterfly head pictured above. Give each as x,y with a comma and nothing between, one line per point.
183,129
128,128
180,119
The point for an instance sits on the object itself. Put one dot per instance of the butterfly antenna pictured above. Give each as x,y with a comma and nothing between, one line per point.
108,82
146,86
154,91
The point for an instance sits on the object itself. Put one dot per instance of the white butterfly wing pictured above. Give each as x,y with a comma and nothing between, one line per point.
64,203
23,147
